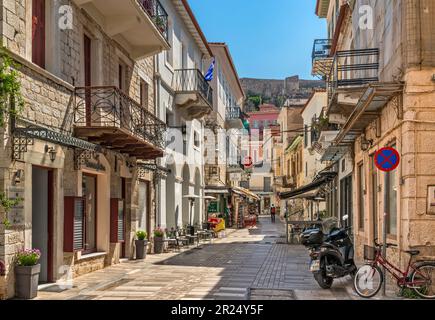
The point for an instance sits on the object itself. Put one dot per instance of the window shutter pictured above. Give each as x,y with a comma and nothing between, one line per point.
38,32
116,220
73,224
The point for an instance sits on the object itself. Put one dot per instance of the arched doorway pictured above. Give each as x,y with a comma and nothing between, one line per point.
171,211
185,191
197,190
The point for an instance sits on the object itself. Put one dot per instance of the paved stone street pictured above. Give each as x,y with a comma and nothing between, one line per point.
246,264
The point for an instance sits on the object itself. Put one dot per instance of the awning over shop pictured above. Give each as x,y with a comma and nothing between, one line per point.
325,178
246,193
216,190
368,108
310,195
294,144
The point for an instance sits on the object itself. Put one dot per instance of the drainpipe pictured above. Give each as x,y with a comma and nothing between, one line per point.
157,184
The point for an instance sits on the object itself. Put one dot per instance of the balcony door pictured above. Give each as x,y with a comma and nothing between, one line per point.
38,32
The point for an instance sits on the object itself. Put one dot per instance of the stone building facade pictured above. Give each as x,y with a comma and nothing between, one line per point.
84,194
392,107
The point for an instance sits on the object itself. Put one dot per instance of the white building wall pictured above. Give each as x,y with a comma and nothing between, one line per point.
311,159
183,49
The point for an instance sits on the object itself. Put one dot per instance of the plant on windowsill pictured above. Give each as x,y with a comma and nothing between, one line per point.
141,245
27,273
11,100
161,24
158,240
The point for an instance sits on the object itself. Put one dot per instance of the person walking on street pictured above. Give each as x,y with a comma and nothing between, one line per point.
272,213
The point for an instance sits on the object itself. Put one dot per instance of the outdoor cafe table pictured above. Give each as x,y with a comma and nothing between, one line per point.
205,235
192,239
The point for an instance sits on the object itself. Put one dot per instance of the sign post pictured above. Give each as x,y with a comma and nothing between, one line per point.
386,160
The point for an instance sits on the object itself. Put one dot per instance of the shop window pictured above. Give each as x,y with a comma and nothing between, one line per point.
89,185
80,230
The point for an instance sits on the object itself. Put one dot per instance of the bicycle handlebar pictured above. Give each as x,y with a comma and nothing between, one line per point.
380,245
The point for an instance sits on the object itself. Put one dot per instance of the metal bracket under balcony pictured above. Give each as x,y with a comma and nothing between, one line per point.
108,117
321,59
23,137
145,168
368,109
193,94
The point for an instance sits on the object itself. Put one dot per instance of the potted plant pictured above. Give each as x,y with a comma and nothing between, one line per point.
158,240
141,244
27,273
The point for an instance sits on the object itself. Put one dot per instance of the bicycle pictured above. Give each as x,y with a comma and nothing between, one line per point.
419,276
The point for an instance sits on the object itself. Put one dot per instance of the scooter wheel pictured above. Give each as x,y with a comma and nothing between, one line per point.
324,281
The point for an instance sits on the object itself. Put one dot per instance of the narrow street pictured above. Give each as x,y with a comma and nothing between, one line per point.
246,264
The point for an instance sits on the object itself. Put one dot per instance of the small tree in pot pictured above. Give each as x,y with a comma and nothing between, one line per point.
158,240
27,273
141,244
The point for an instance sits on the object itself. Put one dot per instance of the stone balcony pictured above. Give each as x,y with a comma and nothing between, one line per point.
141,26
233,119
108,117
193,94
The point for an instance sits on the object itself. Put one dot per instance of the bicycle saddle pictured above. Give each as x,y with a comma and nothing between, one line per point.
413,252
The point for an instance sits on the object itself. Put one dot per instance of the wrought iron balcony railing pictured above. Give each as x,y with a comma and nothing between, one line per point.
192,81
321,49
234,113
108,106
353,68
158,14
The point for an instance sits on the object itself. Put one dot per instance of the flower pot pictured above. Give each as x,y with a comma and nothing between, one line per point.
141,249
27,279
158,244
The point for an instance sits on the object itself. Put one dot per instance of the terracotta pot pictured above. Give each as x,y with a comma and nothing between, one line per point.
26,280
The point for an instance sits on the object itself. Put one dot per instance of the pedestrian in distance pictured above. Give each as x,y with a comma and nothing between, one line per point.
272,213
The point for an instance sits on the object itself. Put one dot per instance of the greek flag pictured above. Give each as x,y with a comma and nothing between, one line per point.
209,75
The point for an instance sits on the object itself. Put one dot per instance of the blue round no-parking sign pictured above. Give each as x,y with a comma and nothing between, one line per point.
387,159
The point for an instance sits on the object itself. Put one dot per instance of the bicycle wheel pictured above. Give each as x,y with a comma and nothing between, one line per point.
368,281
424,278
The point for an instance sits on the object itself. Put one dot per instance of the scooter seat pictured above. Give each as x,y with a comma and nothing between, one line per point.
413,252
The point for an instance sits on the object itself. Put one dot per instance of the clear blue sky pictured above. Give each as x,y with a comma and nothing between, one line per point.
268,39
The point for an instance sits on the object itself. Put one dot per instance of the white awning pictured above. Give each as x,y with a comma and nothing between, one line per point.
216,191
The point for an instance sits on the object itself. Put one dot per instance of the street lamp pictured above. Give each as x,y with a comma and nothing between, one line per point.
191,198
